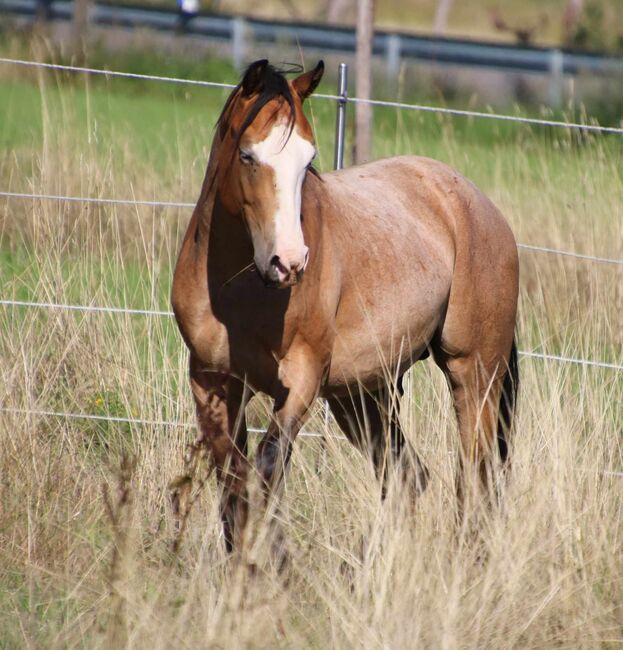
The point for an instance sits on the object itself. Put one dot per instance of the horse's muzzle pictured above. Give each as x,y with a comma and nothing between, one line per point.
289,281
285,271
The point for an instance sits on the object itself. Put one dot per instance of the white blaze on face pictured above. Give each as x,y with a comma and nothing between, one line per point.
288,155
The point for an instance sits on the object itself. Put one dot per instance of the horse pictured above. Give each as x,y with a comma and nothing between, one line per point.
301,285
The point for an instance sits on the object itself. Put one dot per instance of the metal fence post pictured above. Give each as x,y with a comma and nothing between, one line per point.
338,163
239,37
393,48
556,78
340,124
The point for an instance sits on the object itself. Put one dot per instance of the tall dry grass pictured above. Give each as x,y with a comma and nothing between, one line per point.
86,533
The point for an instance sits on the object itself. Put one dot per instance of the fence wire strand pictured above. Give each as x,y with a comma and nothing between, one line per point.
86,308
580,256
179,425
136,421
115,73
355,100
161,313
179,204
97,200
457,112
564,359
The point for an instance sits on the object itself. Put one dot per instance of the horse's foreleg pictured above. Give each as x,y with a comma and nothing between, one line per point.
220,402
300,374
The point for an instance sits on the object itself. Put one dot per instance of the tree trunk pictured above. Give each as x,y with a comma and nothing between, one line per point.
363,80
441,16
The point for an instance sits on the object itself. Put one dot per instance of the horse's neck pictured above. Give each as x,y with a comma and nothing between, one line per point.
230,248
207,197
314,198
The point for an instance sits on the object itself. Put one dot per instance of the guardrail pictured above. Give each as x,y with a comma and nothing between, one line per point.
394,46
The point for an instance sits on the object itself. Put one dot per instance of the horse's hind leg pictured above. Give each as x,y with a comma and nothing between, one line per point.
483,389
220,401
370,421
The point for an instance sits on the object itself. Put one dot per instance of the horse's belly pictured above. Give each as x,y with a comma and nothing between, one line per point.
376,343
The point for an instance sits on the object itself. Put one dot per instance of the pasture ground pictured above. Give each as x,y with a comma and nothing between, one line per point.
544,570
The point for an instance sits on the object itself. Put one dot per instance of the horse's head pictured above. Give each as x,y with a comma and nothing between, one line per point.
267,146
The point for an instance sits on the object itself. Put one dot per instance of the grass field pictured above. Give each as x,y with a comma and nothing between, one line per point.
546,568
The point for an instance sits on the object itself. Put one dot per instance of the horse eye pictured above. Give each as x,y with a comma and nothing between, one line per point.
246,157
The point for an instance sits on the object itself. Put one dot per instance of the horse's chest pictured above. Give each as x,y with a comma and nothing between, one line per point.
205,336
246,341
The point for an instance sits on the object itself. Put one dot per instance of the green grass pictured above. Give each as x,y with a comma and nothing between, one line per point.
153,144
158,142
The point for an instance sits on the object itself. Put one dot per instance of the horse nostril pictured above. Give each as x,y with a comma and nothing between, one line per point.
285,268
276,263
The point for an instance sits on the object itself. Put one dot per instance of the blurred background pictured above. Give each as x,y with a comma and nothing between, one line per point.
555,53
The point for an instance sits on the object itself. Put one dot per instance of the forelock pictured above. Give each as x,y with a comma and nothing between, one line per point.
272,85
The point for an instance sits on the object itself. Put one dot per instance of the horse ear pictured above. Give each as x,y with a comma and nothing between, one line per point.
252,79
307,83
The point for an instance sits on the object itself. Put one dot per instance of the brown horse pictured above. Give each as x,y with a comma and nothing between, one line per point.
298,285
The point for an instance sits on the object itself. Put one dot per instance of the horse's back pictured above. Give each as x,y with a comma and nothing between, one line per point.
419,208
415,191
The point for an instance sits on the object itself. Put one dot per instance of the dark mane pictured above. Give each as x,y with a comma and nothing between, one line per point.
270,84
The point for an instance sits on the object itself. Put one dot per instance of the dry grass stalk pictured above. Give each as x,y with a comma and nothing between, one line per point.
181,493
119,514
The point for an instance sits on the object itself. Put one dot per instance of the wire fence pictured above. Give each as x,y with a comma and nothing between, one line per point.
86,308
172,204
188,425
169,314
374,102
96,199
179,204
457,112
137,421
114,73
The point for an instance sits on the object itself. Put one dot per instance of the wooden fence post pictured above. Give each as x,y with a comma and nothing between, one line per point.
80,27
363,80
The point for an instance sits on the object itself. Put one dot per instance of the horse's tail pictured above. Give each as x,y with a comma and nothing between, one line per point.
508,402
